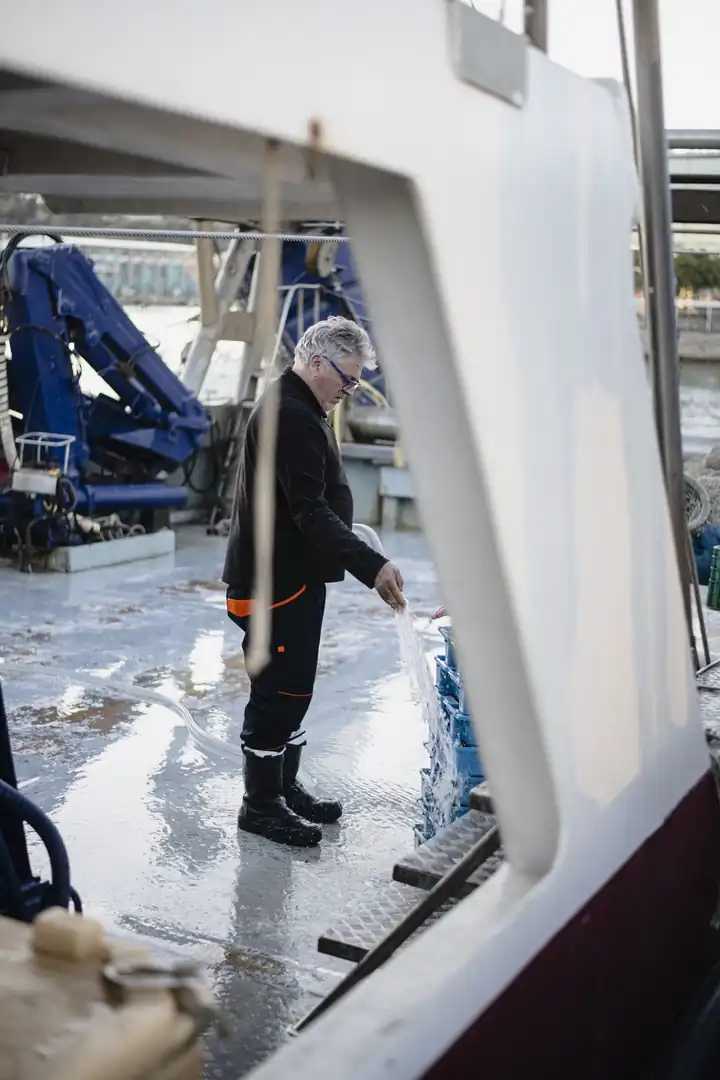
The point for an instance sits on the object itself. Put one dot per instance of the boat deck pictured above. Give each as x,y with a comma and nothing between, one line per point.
149,819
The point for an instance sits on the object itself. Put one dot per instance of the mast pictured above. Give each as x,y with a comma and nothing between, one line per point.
660,274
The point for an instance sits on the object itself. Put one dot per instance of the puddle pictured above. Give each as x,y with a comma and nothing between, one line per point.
325,666
94,712
207,673
195,585
48,724
37,636
254,963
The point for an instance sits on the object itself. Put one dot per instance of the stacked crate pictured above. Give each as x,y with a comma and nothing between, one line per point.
713,593
464,771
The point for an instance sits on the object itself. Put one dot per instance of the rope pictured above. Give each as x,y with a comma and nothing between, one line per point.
264,501
80,231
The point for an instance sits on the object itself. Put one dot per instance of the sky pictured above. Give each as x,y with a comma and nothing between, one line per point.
583,37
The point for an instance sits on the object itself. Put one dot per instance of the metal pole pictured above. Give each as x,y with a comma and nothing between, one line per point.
536,23
679,139
660,284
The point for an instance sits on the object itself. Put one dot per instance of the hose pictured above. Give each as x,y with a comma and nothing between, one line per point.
65,484
17,909
374,393
19,804
337,421
207,742
364,387
210,744
370,537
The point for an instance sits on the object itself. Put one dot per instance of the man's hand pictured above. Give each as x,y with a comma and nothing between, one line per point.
389,584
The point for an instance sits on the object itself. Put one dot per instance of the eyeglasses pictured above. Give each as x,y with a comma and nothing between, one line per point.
349,385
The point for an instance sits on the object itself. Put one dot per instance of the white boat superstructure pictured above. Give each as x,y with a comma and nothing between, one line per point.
469,168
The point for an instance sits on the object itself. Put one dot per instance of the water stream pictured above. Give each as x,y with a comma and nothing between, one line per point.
443,777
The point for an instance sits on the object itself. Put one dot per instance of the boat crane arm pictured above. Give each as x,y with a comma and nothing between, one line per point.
56,306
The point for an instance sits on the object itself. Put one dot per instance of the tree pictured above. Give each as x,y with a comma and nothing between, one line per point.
697,273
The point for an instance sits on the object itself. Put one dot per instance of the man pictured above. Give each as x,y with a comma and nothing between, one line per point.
314,544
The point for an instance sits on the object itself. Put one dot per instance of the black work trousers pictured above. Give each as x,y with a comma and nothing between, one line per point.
280,695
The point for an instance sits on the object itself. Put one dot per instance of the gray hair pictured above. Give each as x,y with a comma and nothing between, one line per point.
335,339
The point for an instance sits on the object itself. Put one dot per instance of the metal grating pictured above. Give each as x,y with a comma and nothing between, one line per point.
358,931
710,715
710,679
430,862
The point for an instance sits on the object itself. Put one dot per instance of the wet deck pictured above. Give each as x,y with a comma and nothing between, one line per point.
149,819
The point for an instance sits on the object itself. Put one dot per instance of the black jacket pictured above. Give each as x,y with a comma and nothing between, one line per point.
314,541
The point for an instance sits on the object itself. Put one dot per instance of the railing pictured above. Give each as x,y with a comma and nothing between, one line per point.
700,316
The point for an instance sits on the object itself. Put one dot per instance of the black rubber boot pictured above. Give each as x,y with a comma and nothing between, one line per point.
324,811
264,810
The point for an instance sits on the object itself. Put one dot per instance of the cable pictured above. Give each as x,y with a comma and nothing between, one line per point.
80,232
66,484
20,233
173,234
189,466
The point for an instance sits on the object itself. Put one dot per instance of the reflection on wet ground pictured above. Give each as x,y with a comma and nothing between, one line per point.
149,820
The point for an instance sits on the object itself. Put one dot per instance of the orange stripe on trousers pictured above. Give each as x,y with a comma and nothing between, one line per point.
242,608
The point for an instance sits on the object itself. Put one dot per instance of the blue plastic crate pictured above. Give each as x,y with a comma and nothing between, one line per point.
429,779
420,834
428,801
467,783
434,822
466,760
444,682
458,723
449,657
434,816
461,800
442,759
449,683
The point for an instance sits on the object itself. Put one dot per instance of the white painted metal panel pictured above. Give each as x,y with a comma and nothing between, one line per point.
531,438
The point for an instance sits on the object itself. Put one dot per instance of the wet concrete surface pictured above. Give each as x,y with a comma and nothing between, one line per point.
149,818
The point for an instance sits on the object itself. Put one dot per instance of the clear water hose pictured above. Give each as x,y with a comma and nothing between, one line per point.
370,537
209,744
205,741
